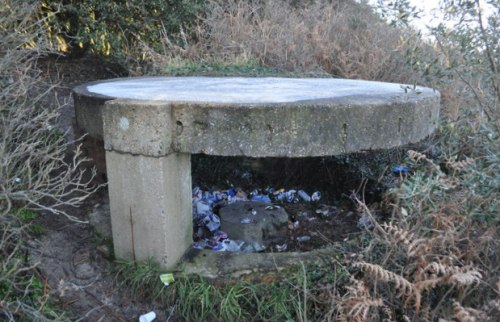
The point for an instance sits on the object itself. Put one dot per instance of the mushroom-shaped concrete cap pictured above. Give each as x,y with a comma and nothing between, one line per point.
257,117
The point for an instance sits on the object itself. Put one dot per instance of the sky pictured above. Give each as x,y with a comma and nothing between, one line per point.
431,15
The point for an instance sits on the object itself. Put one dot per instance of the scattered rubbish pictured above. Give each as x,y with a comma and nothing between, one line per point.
240,196
327,211
400,169
281,248
246,221
303,238
229,245
207,223
302,214
253,248
293,225
201,244
365,222
220,235
148,317
167,278
302,194
212,222
286,196
261,198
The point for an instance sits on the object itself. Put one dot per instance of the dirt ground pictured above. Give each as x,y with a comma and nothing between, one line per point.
73,261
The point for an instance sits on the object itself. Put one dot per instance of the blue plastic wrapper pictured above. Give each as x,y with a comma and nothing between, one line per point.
287,196
302,194
261,198
399,169
231,192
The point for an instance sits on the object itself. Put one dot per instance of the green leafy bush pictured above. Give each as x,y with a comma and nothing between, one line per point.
115,27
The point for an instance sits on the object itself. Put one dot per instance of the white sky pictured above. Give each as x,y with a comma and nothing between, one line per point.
431,15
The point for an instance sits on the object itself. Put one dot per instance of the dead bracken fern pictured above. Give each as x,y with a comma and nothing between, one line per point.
459,166
402,285
465,314
398,235
433,262
357,303
419,157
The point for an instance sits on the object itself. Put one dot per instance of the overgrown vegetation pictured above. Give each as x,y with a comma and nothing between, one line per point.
436,258
35,170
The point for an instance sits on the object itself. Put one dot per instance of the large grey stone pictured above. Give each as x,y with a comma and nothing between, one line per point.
254,222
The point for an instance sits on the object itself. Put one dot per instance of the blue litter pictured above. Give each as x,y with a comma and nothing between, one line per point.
261,198
400,169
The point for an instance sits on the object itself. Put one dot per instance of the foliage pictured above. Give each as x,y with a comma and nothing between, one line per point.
435,257
114,27
35,170
470,46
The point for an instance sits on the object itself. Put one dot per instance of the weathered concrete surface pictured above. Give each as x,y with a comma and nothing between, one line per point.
263,226
286,118
150,203
212,264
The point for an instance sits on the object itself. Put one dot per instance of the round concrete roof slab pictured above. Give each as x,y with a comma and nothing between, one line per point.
241,90
257,117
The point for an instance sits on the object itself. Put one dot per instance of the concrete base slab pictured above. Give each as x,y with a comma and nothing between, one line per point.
150,199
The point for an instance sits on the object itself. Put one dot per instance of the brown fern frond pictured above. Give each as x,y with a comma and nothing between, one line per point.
419,247
402,285
428,284
359,311
467,314
439,269
356,305
459,166
417,157
399,235
465,278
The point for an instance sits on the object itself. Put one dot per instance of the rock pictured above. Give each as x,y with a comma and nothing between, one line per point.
101,221
251,222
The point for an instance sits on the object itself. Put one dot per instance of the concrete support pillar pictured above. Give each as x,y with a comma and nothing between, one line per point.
150,201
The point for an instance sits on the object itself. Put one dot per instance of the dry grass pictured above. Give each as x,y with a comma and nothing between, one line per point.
342,38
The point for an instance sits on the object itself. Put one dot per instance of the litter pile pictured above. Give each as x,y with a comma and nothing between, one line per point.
207,224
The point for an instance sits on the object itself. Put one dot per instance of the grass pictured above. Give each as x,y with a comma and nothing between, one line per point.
24,295
291,295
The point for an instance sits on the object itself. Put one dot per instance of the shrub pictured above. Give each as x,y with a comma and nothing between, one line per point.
36,171
114,27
